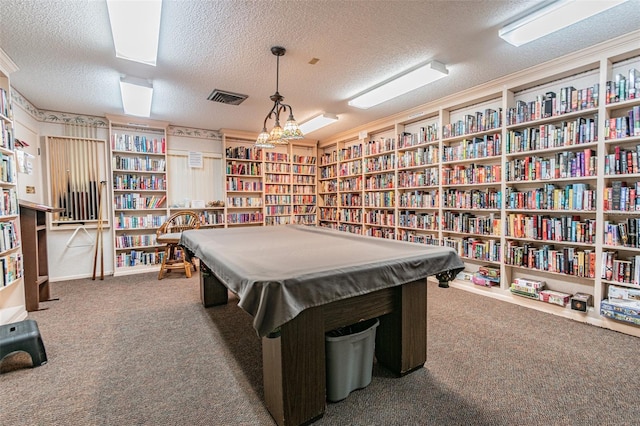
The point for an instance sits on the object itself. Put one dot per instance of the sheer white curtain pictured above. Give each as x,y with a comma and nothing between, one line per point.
193,183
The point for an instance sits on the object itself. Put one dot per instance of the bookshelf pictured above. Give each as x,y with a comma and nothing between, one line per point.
12,286
534,177
270,187
244,183
139,192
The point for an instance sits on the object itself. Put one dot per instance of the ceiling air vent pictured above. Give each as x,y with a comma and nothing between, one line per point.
225,97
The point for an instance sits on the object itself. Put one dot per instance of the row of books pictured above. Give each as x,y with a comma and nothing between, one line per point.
424,135
135,182
277,199
238,184
138,164
276,157
474,248
567,164
133,241
138,143
138,258
304,209
351,168
276,178
330,200
620,270
5,105
489,198
11,268
7,168
380,181
469,223
623,233
481,121
381,163
351,200
380,217
9,202
304,199
576,196
8,236
553,135
620,197
412,179
243,153
351,215
328,172
244,201
380,199
479,147
277,220
350,152
328,214
136,201
277,210
419,199
350,184
623,127
305,219
245,218
277,168
248,169
329,158
303,169
387,233
379,146
302,179
414,237
304,159
624,86
123,221
6,135
471,174
354,229
622,161
566,260
550,104
425,221
543,227
422,156
277,189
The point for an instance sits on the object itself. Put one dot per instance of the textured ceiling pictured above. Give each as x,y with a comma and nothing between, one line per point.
66,57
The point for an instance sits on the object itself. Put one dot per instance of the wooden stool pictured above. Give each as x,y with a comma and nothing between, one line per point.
23,336
169,260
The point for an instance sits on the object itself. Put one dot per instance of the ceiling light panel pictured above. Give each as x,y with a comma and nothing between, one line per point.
135,27
400,85
556,16
136,96
318,122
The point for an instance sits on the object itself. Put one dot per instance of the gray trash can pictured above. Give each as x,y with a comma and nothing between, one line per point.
349,353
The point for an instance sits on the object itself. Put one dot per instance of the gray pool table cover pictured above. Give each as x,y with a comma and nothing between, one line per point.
278,271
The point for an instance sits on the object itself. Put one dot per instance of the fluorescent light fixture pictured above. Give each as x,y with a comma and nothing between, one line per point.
136,96
407,82
556,16
135,27
318,122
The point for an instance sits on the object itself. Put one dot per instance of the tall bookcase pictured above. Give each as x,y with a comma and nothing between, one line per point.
139,192
270,187
534,177
12,286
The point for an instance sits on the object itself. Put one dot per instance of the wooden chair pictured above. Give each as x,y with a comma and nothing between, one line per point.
169,233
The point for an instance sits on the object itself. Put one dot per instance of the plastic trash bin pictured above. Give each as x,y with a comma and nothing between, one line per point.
349,357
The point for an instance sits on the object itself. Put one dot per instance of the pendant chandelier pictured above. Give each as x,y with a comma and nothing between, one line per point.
291,130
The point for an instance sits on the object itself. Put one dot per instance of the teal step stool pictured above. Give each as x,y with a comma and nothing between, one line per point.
23,336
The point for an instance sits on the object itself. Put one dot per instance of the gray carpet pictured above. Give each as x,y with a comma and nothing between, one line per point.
137,351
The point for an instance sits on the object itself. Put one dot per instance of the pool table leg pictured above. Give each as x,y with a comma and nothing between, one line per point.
401,338
212,291
293,365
